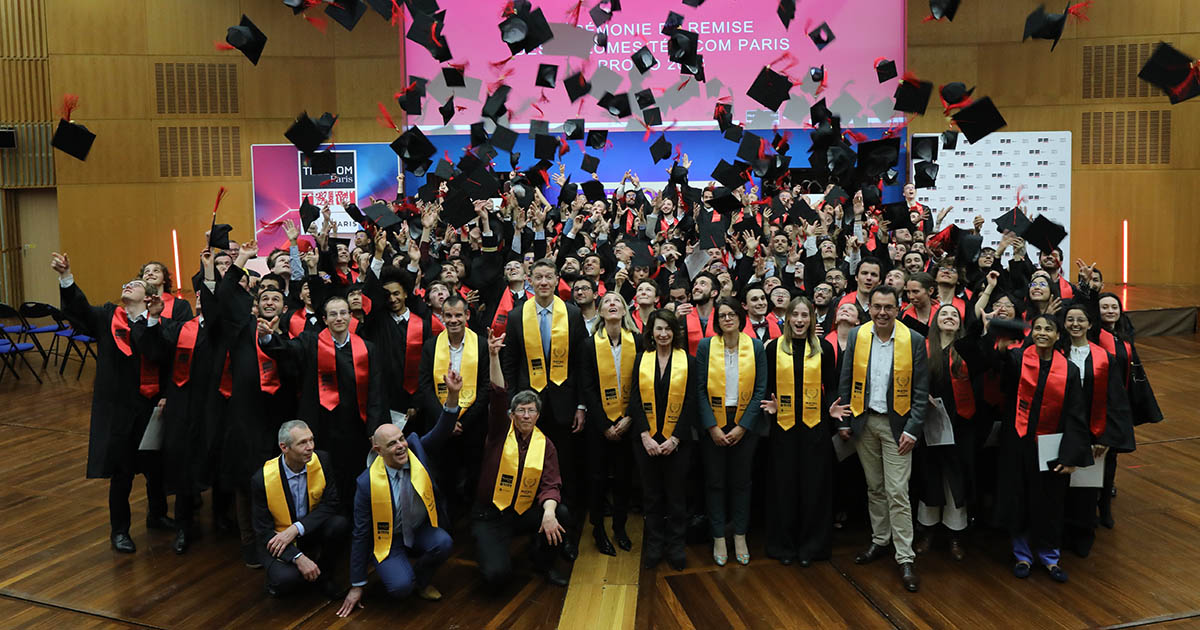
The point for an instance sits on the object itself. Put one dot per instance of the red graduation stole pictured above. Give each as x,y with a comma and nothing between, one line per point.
773,330
268,375
414,340
435,325
695,332
564,290
1052,396
226,386
911,311
1099,389
168,301
297,322
354,325
500,320
831,337
148,373
346,278
1064,288
964,395
1108,341
637,318
184,348
327,383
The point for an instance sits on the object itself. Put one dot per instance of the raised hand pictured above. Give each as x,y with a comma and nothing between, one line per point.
60,263
290,229
453,381
495,343
267,326
770,405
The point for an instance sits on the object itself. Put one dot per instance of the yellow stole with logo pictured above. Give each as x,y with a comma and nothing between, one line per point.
382,511
559,346
614,399
274,484
469,369
902,368
785,385
675,391
531,473
716,376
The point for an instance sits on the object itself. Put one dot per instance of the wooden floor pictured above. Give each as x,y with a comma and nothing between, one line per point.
57,571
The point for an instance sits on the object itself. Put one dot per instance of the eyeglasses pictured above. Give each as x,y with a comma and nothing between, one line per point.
526,412
1038,284
887,308
727,315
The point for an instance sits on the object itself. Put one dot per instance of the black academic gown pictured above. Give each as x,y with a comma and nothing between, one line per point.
119,411
391,341
955,463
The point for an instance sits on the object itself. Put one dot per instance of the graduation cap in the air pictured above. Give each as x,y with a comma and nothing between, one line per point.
568,193
925,148
770,89
453,77
672,23
538,128
979,119
643,59
877,156
652,116
943,9
479,133
964,245
1173,72
682,45
955,94
1044,234
306,134
786,12
382,7
410,99
871,197
643,256
661,149
837,196
728,175
925,174
71,137
616,104
645,98
1013,221
913,96
898,216
414,150
346,12
322,162
494,107
593,190
1042,25
504,138
574,128
885,70
351,209
597,138
577,87
382,216
218,235
693,3
444,170
949,139
525,29
545,147
457,208
426,30
712,235
547,76
247,38
840,159
733,133
819,112
723,114
447,110
822,35
308,213
589,163
693,66
750,146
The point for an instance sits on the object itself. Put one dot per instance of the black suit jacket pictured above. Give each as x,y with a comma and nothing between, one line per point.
264,523
563,399
430,406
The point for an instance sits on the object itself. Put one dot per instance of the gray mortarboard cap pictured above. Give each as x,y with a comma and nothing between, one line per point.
925,148
949,140
652,116
538,128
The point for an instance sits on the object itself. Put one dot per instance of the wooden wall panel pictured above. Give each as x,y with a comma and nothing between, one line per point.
289,35
283,87
22,29
104,229
96,27
25,96
109,86
124,151
373,37
363,82
183,27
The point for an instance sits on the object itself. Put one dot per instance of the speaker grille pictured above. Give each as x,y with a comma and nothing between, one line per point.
1110,71
199,151
196,88
1125,137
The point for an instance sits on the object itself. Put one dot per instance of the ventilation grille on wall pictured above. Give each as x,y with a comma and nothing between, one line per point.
199,151
1111,71
1126,137
196,88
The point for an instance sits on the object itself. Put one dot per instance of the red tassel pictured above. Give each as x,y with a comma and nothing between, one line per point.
270,227
857,137
461,67
509,9
1193,76
875,64
385,118
222,45
318,23
762,148
929,18
678,152
823,85
1020,198
433,35
69,103
496,65
539,109
220,195
325,183
396,13
1079,10
563,147
405,90
910,78
572,13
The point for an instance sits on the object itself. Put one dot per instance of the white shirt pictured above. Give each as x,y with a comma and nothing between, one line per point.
591,323
879,374
1079,356
731,378
456,354
398,318
616,352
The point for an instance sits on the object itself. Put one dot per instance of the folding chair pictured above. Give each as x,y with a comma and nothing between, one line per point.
10,350
66,336
30,312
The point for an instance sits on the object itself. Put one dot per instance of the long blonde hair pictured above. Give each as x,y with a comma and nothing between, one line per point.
626,319
814,344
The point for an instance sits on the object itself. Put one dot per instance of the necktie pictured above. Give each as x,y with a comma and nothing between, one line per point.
544,324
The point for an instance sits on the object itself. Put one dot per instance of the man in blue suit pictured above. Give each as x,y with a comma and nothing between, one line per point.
397,511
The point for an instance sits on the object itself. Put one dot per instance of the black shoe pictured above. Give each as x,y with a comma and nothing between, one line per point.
570,551
250,557
871,554
1113,492
123,543
622,539
603,544
1021,569
160,522
650,560
787,562
805,562
1106,518
1057,574
677,563
555,578
182,541
908,575
271,592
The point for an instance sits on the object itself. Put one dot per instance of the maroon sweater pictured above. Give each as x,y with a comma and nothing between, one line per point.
550,485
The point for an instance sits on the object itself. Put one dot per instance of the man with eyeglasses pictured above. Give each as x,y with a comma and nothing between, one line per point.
883,393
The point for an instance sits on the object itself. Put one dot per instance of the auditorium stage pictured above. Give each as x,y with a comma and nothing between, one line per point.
1160,309
57,571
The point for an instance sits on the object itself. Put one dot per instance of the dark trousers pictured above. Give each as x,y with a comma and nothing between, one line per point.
1080,520
607,457
494,530
327,546
1110,478
409,568
728,471
663,501
120,485
800,507
570,453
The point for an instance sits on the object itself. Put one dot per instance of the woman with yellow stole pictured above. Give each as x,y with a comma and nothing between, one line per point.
801,372
733,378
662,404
608,365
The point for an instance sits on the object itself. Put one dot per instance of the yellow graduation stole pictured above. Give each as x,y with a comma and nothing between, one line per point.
559,348
785,386
382,513
675,390
531,474
614,400
716,375
469,369
901,368
274,484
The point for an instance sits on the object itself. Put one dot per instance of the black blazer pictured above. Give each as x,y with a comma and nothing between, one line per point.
264,523
591,387
912,422
561,399
427,382
685,428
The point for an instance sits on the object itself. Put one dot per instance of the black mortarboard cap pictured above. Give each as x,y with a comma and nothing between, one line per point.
643,59
616,104
382,7
1044,234
447,110
645,98
913,97
682,45
410,100
478,133
661,149
723,114
943,9
426,30
712,234
643,256
770,89
786,12
693,3
837,195
593,189
73,139
653,116
979,119
1170,70
545,147
597,138
672,23
1013,221
305,134
1042,25
494,107
536,30
382,216
547,75
733,133
602,39
323,162
749,146
819,112
351,209
457,208
1005,328
577,86
925,174
727,203
346,12
728,175
822,36
247,38
599,16
955,92
568,193
574,128
949,139
925,148
308,213
514,158
218,235
504,138
877,156
694,66
801,210
538,128
885,70
870,196
969,244
445,169
898,216
589,163
453,77
429,191
840,159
